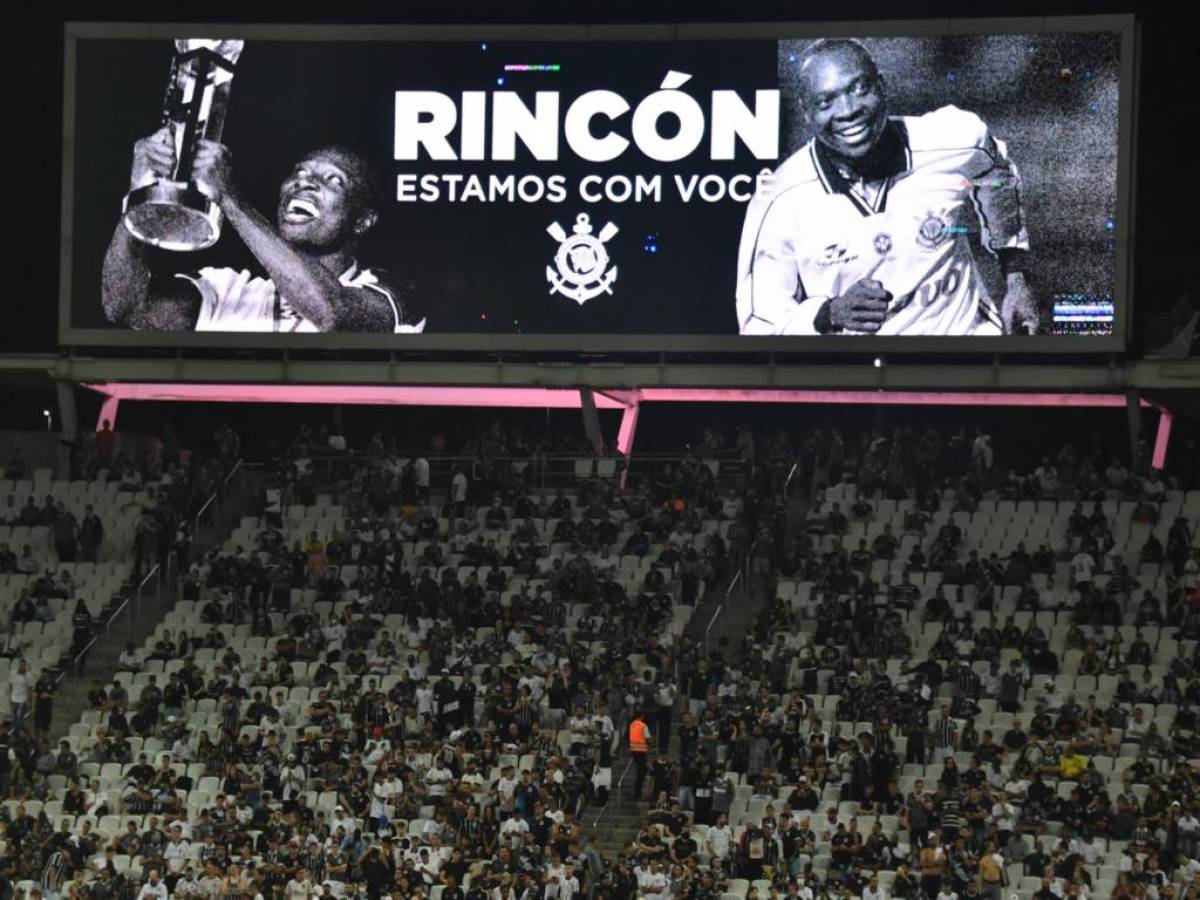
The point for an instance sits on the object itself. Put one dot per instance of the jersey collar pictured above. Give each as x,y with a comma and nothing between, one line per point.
891,157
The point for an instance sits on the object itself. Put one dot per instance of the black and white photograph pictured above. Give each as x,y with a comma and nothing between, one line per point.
936,186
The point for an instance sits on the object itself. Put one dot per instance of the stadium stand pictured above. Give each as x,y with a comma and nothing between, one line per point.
961,680
983,686
444,679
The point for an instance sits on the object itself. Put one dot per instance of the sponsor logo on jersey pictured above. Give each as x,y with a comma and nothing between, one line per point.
835,255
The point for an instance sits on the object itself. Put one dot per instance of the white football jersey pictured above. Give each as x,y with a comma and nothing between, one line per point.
814,234
233,300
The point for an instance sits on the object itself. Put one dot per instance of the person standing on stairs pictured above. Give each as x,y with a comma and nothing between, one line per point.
664,698
639,750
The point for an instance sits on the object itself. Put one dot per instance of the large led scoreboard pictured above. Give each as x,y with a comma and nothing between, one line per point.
937,186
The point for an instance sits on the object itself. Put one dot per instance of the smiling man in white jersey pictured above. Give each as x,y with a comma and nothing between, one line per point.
865,228
314,282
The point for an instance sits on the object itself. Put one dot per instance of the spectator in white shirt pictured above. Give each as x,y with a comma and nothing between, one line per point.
291,779
436,779
512,831
505,788
424,697
181,750
1188,871
872,891
1087,849
1082,567
536,684
343,820
300,887
153,889
335,636
177,851
129,660
568,884
719,841
1138,727
1004,814
1047,478
653,881
1189,834
184,826
458,492
20,681
421,477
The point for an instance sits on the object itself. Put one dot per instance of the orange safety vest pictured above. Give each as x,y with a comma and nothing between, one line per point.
637,737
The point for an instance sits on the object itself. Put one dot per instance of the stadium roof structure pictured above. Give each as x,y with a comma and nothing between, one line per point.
628,401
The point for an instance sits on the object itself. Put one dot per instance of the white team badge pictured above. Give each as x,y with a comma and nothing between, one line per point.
581,260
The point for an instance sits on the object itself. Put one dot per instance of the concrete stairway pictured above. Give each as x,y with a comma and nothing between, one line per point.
138,621
614,828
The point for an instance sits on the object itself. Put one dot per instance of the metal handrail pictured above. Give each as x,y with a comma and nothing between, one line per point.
733,582
148,576
136,594
236,466
791,474
76,663
203,509
116,612
215,497
711,623
615,791
156,573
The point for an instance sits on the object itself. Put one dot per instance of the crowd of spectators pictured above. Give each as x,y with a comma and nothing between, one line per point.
942,723
155,490
423,693
406,692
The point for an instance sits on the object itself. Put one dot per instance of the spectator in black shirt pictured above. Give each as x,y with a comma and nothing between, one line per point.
1016,737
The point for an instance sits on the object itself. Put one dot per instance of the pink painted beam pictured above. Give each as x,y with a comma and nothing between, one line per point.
1159,459
354,395
108,412
901,398
628,429
568,398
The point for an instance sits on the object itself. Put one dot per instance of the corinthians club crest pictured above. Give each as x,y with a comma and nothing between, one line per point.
581,260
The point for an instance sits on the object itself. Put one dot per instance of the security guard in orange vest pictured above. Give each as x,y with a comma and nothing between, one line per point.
639,750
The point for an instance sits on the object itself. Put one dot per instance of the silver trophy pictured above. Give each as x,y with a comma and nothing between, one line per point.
174,213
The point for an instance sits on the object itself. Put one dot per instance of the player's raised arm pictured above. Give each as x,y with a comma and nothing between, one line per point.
127,286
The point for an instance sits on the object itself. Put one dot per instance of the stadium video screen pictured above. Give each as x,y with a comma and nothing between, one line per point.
260,186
